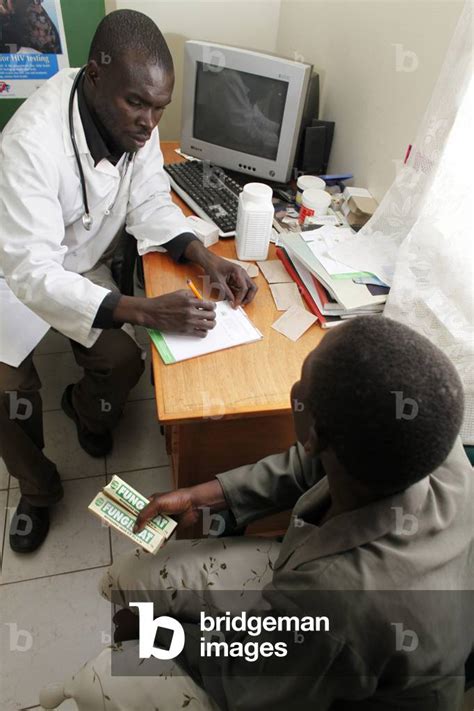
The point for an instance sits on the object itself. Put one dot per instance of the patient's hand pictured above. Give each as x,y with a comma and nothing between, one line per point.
178,504
184,504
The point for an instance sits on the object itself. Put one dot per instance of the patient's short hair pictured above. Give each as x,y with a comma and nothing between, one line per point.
129,32
387,400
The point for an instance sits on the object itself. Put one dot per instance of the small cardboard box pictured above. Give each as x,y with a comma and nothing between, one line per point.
118,505
206,232
358,206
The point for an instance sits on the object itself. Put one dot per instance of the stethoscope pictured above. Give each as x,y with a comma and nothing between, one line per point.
87,219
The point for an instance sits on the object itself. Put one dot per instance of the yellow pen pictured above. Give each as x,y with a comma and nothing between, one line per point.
196,293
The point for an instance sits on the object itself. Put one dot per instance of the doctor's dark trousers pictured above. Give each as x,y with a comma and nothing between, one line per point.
111,369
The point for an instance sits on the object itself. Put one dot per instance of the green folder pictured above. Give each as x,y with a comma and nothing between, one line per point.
161,346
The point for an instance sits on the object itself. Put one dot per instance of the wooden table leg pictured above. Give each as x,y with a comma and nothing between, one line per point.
199,450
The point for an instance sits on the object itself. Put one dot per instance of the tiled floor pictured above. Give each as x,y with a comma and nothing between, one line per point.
53,618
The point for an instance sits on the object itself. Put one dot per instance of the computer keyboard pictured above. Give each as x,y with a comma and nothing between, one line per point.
209,192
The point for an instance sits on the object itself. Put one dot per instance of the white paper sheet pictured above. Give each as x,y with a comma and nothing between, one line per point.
286,295
233,328
274,272
362,253
294,322
377,254
321,245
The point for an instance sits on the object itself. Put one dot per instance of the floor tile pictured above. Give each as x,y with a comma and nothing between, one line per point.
147,482
63,448
53,342
4,476
144,389
76,541
56,370
3,516
138,441
142,335
64,635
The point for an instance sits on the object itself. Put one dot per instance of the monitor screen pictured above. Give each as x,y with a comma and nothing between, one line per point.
239,110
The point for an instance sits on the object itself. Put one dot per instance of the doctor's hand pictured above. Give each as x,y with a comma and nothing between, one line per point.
228,278
178,312
232,280
185,505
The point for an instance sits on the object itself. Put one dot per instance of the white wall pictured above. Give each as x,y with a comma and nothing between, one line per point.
375,91
252,24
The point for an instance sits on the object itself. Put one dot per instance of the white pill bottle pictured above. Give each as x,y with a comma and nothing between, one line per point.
254,222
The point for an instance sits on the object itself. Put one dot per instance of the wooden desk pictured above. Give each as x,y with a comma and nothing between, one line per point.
228,408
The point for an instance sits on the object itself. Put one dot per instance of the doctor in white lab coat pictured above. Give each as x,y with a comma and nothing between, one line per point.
57,242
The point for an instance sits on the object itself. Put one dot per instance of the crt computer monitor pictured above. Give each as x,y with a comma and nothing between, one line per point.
243,110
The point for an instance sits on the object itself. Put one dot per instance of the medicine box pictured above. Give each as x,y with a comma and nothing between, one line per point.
206,232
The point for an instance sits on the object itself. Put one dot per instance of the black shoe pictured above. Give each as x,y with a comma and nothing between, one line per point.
29,527
97,445
126,626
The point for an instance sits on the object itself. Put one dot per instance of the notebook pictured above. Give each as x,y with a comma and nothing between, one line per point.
233,328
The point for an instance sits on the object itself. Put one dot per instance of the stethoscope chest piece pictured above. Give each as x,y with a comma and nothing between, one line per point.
87,222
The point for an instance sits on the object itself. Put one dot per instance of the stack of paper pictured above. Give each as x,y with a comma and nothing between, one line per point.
346,255
332,284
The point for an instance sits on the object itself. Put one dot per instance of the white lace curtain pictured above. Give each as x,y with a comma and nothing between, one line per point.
428,213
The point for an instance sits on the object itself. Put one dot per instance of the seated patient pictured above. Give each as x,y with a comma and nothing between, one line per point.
380,541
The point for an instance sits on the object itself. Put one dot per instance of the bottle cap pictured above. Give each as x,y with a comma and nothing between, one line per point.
310,182
316,199
257,192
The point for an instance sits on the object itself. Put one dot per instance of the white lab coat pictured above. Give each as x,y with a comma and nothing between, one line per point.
44,247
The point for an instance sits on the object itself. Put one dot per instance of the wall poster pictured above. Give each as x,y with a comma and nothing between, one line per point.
32,45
